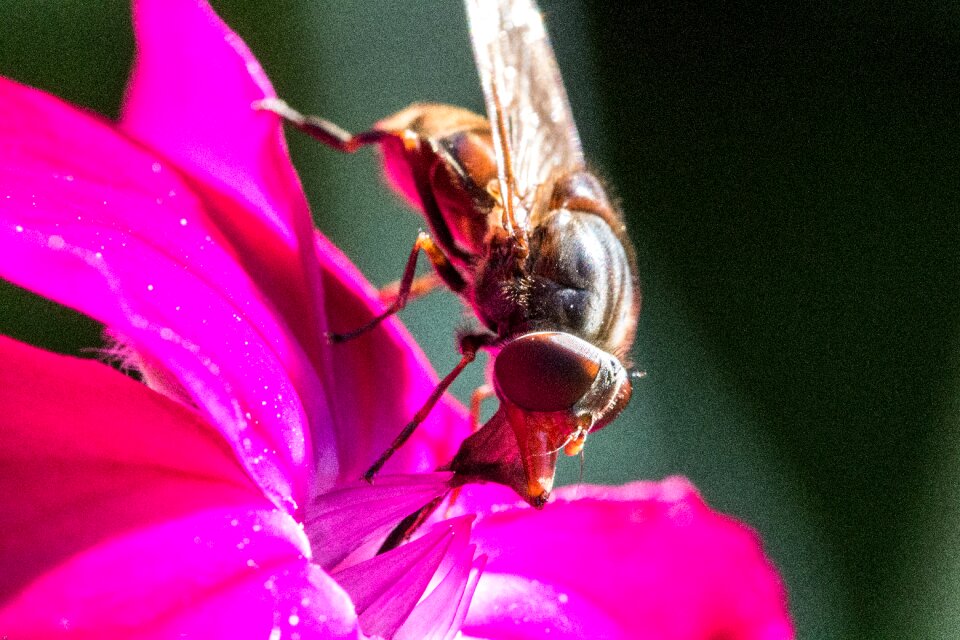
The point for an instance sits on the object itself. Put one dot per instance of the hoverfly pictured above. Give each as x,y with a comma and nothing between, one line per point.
524,233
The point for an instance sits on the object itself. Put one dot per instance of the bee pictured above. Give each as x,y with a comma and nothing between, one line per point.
526,235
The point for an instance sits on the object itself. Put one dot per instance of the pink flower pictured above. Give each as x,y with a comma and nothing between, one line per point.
220,498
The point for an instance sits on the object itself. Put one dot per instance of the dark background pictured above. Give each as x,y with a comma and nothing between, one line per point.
790,174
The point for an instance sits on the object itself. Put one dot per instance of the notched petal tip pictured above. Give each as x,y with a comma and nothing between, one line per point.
350,516
387,587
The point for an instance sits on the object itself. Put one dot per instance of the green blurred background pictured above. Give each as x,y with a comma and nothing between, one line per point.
790,174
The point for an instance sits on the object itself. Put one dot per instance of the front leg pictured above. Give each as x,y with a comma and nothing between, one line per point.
441,264
469,345
323,130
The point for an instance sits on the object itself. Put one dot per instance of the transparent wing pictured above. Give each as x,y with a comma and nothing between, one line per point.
533,130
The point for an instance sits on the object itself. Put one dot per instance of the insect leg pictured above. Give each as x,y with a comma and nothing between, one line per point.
469,345
323,130
480,394
421,286
440,263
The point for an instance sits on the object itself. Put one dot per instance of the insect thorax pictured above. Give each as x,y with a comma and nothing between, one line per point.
576,278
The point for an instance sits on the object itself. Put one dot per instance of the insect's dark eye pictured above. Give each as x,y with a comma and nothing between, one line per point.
546,371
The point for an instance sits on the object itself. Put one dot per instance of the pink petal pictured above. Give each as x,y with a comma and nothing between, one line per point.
126,514
189,98
89,451
517,608
647,560
380,380
386,588
440,615
350,516
221,573
92,221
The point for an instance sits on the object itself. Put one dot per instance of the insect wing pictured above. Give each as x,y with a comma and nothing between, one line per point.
533,130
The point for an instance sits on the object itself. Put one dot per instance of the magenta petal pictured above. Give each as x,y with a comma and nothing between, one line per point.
220,573
647,560
349,516
440,615
87,453
190,99
126,515
518,608
386,588
90,220
379,381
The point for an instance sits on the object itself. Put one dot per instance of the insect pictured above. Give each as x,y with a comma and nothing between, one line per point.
525,234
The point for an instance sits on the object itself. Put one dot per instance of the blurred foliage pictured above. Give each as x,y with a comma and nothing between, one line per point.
790,173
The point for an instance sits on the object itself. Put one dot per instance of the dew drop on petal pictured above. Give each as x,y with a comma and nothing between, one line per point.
19,228
294,619
563,598
183,222
56,242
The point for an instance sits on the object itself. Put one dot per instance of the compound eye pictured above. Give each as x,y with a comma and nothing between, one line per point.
547,371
